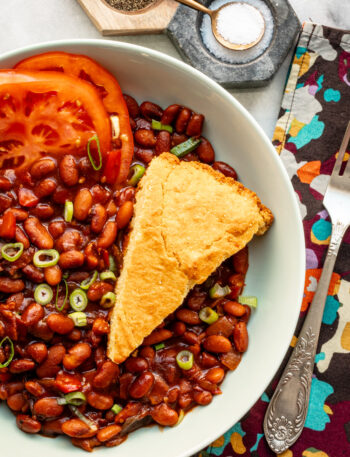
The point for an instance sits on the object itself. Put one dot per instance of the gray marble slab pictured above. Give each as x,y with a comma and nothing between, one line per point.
34,21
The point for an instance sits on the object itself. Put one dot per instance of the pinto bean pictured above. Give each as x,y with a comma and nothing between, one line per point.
82,204
100,401
43,211
141,385
53,275
109,432
108,235
45,187
145,138
21,366
194,127
100,326
37,351
127,194
164,415
136,364
99,218
42,168
69,240
108,373
17,402
91,255
76,356
225,169
41,330
98,289
60,323
33,273
57,228
170,114
11,286
124,214
179,328
205,151
100,194
151,111
234,308
5,202
188,316
34,388
215,375
5,184
217,343
69,172
62,194
202,397
27,424
21,237
182,120
157,336
37,233
208,360
145,155
132,105
76,428
71,259
32,314
163,143
20,214
47,407
240,261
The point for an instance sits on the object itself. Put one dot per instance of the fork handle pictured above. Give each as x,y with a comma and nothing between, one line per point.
286,413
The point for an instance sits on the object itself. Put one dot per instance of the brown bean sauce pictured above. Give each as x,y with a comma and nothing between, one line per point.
52,357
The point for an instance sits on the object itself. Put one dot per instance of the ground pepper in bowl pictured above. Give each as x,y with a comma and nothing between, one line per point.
129,5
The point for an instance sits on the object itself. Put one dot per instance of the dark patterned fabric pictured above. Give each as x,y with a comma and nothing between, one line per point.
314,114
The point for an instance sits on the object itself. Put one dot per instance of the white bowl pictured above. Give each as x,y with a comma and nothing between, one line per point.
277,260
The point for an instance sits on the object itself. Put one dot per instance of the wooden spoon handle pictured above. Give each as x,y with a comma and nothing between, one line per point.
196,5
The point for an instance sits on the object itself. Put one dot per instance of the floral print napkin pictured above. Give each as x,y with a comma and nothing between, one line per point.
314,114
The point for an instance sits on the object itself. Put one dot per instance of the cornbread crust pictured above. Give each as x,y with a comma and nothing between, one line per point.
188,219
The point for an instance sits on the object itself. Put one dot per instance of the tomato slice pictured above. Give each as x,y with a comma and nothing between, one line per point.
48,113
107,86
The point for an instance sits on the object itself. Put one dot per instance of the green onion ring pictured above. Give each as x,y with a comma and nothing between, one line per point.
159,346
185,359
43,294
248,300
112,264
108,275
73,398
218,291
184,148
157,125
94,166
12,246
136,172
116,409
108,300
208,315
12,351
89,281
52,253
79,318
68,211
65,298
78,300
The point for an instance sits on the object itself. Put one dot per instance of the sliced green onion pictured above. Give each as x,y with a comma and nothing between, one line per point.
12,351
157,125
116,409
78,300
43,294
218,292
159,346
94,166
208,315
52,255
79,318
185,359
73,398
108,300
108,275
65,297
89,281
184,148
248,300
181,416
136,173
12,251
68,211
112,264
83,418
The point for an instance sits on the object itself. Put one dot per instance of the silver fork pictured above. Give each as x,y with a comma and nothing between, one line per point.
286,413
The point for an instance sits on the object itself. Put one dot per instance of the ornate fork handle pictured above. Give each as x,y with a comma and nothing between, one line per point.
286,413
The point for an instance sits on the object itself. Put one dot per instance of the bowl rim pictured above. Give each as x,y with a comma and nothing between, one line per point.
52,45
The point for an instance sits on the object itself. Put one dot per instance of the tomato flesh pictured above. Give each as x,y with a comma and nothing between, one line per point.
48,113
107,86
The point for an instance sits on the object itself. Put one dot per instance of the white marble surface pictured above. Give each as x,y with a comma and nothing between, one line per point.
34,21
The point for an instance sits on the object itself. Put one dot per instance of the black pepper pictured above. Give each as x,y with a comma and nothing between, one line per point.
129,5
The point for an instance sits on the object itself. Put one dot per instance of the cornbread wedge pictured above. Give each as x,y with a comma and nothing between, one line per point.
188,219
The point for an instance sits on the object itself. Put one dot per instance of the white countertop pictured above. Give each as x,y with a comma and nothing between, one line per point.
34,21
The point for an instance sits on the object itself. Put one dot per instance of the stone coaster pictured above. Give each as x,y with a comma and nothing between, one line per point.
184,30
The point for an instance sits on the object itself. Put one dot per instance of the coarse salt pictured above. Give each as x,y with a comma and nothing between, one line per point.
240,23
